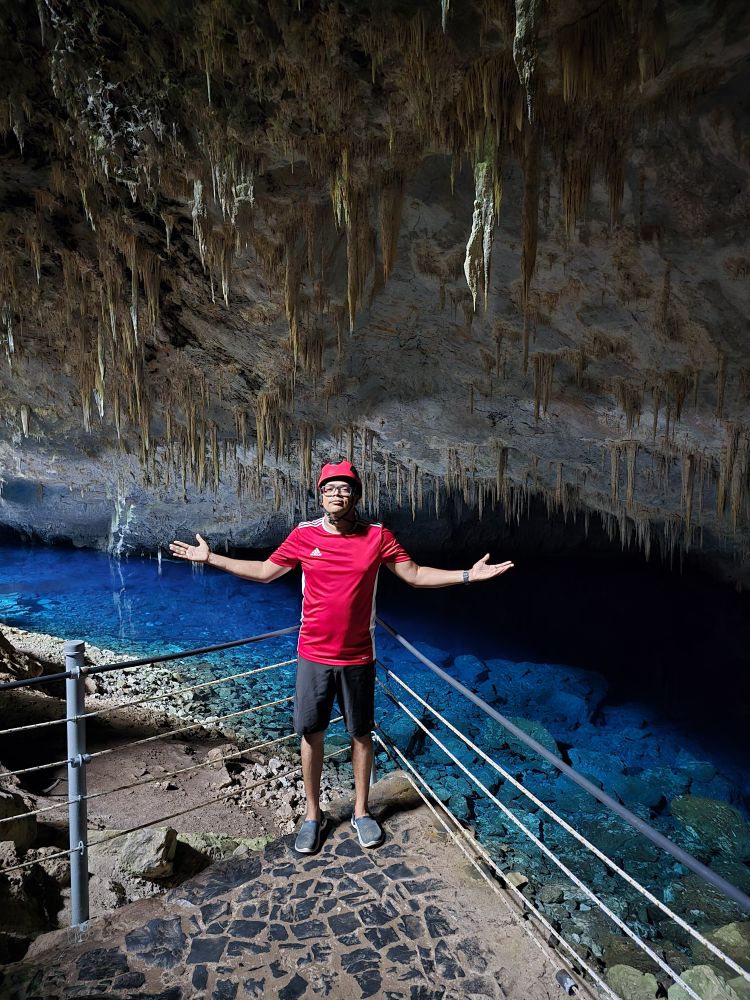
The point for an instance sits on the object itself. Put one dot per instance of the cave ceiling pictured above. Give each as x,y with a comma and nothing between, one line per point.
496,253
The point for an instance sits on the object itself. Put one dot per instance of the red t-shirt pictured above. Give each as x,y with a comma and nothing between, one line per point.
339,578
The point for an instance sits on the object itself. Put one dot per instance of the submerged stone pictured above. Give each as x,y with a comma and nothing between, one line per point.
717,825
631,983
706,984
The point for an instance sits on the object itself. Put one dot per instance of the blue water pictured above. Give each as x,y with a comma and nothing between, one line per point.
490,639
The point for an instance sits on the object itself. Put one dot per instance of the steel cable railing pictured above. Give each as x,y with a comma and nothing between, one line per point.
78,758
161,777
219,798
693,864
664,966
172,693
733,893
210,720
391,749
145,661
609,862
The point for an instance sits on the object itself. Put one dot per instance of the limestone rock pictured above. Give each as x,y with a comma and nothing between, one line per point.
631,983
149,853
740,986
733,939
21,831
706,984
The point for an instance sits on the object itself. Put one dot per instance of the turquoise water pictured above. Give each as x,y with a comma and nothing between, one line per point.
625,742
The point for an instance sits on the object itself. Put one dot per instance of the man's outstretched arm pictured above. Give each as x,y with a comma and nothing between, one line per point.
249,569
429,576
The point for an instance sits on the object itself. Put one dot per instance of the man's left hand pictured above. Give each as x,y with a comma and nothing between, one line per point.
484,570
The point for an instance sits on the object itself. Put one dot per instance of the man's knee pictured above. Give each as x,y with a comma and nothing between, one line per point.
365,741
314,740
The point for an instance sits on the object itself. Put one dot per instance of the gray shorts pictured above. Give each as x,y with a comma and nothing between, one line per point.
317,686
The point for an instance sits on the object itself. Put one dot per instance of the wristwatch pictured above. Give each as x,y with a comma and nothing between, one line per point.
466,576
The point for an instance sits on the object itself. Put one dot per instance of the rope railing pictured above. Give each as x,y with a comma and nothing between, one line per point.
172,693
459,834
161,777
90,670
210,720
664,966
39,861
592,848
78,758
184,690
680,855
219,798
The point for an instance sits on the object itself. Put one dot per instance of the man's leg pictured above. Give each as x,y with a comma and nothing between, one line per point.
362,764
312,769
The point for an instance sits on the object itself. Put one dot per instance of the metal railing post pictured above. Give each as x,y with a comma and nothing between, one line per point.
76,740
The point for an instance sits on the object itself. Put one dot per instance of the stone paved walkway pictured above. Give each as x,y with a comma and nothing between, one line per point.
406,921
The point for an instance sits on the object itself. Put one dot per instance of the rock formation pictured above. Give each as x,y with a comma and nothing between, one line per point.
497,253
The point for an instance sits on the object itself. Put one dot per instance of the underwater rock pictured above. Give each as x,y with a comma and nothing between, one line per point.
599,767
716,825
706,984
495,737
703,903
698,770
632,983
733,939
740,986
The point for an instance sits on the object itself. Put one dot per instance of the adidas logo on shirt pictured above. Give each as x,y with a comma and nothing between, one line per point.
316,552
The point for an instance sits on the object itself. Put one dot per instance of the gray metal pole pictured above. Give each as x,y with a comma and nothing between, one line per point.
76,733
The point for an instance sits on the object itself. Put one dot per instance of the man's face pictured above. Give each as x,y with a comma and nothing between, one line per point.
338,496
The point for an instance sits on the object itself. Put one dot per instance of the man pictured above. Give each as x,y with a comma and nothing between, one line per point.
340,555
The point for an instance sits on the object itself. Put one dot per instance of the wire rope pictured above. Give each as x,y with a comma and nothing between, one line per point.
550,854
479,849
208,802
40,861
574,833
210,721
181,690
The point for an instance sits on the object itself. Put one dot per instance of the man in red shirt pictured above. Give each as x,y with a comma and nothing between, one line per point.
340,555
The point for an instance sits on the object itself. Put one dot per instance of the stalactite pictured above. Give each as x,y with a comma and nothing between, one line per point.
614,454
630,399
631,455
525,49
479,245
726,466
391,203
544,371
530,227
721,378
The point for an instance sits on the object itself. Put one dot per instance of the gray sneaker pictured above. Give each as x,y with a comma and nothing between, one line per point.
369,831
308,838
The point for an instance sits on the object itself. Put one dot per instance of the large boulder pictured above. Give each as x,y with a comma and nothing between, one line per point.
21,830
733,939
631,983
149,853
706,984
716,826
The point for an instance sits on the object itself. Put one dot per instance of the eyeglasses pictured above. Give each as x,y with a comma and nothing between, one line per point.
329,490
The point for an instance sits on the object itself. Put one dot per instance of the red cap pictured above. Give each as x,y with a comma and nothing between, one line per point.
344,470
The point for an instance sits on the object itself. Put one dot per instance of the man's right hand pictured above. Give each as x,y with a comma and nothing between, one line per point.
195,553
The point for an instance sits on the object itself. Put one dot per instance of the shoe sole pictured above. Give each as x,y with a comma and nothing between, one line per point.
316,847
